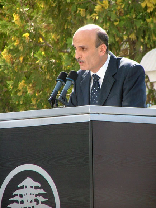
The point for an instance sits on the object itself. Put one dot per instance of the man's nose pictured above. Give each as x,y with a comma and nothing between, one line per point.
77,54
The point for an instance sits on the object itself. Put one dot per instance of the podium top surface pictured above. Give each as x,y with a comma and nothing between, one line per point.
80,114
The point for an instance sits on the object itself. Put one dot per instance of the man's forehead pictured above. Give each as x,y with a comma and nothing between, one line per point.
81,43
85,32
83,37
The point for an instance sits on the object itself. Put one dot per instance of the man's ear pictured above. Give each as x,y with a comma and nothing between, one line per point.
102,49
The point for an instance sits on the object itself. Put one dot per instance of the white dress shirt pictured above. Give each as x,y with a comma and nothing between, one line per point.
101,72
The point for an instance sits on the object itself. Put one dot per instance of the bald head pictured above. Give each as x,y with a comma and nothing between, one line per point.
101,36
90,27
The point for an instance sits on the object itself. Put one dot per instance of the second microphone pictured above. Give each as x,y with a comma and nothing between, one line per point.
71,78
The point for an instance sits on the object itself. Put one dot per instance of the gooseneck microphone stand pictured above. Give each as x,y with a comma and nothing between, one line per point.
61,80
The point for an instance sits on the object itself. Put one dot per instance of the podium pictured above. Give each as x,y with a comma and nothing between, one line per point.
88,156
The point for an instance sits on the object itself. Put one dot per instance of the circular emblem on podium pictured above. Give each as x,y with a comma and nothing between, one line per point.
29,185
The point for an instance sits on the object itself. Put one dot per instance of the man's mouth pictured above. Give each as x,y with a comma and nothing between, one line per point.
80,61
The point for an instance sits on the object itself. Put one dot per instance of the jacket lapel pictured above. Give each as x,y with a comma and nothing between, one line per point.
85,87
108,79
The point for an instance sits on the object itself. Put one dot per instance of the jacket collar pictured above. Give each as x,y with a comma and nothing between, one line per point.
85,87
108,79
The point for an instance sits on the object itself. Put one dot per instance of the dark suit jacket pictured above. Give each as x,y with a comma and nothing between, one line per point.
123,85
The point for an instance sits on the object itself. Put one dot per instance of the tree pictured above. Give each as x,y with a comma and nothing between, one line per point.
29,195
36,38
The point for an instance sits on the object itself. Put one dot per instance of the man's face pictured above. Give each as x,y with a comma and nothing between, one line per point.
87,55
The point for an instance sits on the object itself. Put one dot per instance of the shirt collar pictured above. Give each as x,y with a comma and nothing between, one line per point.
102,70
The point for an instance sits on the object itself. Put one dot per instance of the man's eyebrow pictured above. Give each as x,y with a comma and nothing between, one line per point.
80,46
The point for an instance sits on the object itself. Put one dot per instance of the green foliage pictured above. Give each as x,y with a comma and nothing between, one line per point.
36,39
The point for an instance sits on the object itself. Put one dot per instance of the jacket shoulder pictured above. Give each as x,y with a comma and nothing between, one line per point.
127,62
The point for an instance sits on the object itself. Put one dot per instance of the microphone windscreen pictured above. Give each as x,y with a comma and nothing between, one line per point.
72,76
62,76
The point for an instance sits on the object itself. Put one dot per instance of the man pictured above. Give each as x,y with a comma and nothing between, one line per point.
121,81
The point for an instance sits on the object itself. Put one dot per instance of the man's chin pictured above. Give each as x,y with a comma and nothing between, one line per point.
83,68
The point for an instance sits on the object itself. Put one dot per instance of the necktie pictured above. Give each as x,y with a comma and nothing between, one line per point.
95,91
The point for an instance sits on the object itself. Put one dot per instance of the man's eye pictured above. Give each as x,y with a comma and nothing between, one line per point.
83,48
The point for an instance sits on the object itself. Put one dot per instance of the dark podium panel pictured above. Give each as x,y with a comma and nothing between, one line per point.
124,165
90,157
61,150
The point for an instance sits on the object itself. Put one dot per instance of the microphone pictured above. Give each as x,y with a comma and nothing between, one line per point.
61,79
71,78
